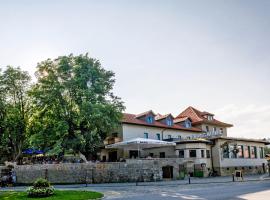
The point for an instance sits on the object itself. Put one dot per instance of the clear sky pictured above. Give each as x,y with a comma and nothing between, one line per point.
167,55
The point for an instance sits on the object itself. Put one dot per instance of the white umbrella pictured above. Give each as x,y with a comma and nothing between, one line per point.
139,143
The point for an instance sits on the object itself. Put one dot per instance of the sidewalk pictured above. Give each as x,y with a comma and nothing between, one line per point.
193,180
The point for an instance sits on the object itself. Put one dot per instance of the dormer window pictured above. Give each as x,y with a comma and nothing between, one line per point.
210,117
187,124
169,122
149,119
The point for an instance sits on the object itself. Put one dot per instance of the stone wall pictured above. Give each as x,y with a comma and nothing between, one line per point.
226,171
90,173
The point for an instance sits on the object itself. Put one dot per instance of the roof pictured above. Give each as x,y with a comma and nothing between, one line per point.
160,117
145,113
180,119
196,117
133,119
242,139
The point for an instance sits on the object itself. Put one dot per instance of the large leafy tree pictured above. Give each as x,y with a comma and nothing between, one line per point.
73,105
14,84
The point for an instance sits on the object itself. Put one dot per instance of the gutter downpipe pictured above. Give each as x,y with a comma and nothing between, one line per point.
162,133
212,163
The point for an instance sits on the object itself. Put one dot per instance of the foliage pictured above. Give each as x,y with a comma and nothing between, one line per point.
40,192
58,195
14,104
40,188
41,182
73,105
267,150
70,108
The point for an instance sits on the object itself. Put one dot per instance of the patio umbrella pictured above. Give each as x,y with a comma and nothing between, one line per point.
39,152
28,151
32,151
139,143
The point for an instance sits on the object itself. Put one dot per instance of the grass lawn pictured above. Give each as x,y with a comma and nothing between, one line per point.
58,194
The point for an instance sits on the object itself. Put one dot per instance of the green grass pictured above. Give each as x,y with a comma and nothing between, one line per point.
59,194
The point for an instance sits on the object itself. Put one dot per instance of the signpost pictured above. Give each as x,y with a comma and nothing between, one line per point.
239,175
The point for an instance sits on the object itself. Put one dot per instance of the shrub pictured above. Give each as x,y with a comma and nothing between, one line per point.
40,188
40,192
41,182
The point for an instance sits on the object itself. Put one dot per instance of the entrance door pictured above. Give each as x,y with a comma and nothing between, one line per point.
133,154
113,156
167,172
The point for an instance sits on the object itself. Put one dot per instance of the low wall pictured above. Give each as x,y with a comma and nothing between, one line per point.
88,172
226,171
130,171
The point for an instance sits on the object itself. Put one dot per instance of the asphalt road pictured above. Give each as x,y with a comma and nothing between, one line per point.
249,190
221,191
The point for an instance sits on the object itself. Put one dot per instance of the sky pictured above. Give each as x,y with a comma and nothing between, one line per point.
166,55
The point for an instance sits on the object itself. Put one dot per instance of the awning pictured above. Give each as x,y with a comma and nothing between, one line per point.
139,143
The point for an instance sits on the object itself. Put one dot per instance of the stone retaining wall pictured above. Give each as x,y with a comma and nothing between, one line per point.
90,173
226,171
129,171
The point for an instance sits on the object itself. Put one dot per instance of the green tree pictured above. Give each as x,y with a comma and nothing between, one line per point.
14,107
267,150
73,105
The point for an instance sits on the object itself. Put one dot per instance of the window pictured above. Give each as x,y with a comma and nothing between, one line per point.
162,154
214,129
261,152
221,130
208,153
181,153
209,117
192,154
151,155
246,152
187,124
207,128
233,150
169,137
149,119
158,136
226,151
202,153
179,137
240,151
169,122
253,152
146,135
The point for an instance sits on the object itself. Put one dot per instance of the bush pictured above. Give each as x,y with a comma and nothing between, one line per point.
40,192
40,188
41,182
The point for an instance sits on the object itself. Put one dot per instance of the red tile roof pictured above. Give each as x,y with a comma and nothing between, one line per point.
180,119
132,119
145,113
160,117
196,117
